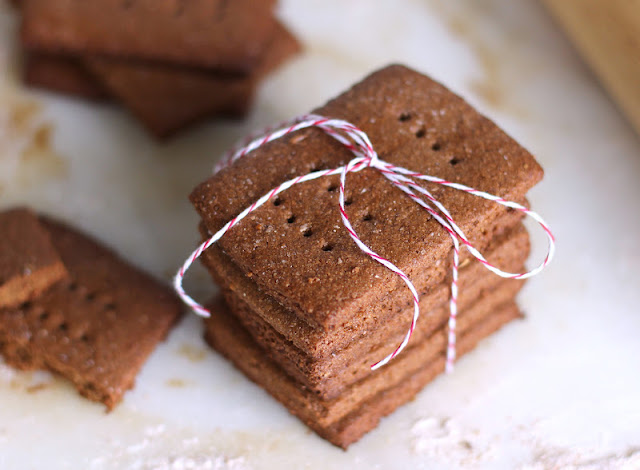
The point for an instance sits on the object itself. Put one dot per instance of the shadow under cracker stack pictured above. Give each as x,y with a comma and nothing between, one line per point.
305,311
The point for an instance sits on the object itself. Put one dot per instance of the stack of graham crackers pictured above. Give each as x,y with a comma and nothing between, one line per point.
72,306
304,312
170,62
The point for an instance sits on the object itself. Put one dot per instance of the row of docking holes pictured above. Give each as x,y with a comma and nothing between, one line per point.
422,133
63,326
367,217
306,229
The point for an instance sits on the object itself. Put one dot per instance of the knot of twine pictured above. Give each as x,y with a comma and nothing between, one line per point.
406,180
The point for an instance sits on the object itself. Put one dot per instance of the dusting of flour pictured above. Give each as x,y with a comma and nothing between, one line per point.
445,441
158,450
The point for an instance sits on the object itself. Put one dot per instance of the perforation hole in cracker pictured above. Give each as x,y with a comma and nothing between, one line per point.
317,167
78,330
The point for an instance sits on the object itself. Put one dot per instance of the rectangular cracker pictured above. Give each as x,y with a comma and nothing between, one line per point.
62,74
166,98
201,33
361,410
413,122
98,328
29,264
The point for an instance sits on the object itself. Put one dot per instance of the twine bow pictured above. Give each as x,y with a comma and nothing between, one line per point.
406,180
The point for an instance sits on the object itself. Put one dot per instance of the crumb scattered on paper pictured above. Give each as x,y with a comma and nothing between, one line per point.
27,154
192,353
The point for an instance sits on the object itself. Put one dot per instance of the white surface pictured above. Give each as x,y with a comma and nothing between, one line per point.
558,390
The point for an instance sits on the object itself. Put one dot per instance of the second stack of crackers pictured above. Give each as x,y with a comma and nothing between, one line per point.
170,62
304,312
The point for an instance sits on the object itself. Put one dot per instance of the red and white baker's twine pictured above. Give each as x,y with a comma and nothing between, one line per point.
366,157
